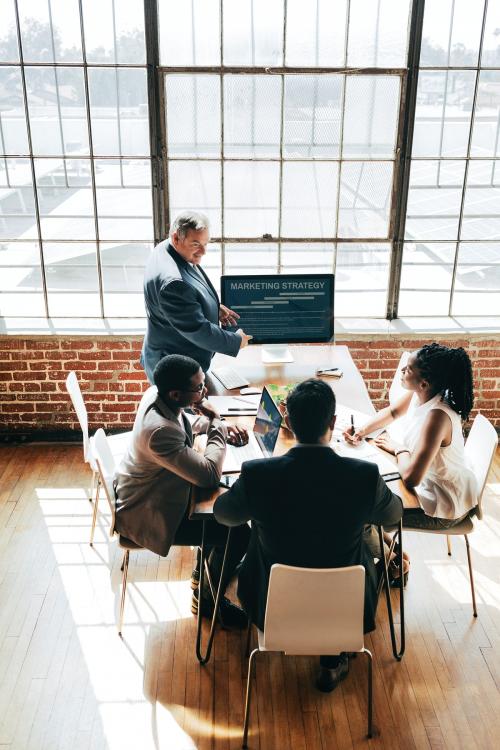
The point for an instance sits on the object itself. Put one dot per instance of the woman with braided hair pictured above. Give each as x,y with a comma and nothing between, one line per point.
431,459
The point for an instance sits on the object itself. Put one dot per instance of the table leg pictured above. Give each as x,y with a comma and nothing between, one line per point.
203,659
399,536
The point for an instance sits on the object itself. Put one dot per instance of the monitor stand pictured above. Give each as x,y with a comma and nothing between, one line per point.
276,353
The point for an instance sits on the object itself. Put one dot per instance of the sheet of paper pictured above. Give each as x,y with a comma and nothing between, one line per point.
366,452
343,422
235,405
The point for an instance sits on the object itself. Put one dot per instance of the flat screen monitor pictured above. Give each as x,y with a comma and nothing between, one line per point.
282,309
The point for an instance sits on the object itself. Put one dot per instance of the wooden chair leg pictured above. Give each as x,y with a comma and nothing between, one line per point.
124,589
448,544
248,696
94,514
471,576
92,486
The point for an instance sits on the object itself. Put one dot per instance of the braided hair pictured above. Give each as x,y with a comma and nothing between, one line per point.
449,371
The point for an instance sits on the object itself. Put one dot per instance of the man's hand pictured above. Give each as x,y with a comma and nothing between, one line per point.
227,317
237,435
244,338
206,409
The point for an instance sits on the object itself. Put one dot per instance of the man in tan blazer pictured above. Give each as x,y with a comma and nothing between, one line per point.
154,479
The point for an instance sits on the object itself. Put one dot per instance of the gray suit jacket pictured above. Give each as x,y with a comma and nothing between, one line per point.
182,308
154,478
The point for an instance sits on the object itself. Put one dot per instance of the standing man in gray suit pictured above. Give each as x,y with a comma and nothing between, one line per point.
154,478
183,309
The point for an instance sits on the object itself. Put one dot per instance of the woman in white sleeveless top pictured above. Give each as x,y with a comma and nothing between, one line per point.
431,460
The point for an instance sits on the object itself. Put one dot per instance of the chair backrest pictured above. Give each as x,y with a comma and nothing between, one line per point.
396,390
75,393
315,610
480,448
106,467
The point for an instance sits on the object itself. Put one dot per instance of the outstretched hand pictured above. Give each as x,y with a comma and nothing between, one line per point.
237,435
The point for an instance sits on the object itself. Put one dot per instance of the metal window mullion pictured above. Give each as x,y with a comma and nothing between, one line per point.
157,123
282,136
117,91
401,181
91,155
222,150
32,161
467,161
341,134
58,98
4,157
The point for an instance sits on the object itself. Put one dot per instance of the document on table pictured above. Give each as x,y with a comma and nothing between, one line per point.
343,422
234,406
367,452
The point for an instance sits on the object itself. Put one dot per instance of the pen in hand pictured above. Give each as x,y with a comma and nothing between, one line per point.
353,429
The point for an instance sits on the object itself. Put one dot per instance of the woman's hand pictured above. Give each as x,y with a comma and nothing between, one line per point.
385,442
352,439
237,435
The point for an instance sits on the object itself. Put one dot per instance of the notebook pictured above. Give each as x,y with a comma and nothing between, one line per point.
261,441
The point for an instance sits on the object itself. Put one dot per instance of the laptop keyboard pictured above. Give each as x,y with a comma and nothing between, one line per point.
230,378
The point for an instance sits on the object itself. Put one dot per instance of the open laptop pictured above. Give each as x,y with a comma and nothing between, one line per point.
261,441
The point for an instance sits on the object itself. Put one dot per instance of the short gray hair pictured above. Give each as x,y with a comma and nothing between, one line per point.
189,221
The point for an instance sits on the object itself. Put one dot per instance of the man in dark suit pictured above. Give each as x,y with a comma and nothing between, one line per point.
182,306
308,508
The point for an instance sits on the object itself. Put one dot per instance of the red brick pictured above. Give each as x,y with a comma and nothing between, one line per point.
128,356
112,345
43,345
13,366
29,376
11,343
120,407
4,376
112,366
133,387
489,373
48,387
16,408
78,365
80,344
94,356
131,376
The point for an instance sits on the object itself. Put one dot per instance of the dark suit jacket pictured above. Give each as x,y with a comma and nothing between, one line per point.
308,508
182,308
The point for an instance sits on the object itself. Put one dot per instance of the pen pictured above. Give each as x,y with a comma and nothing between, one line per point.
353,429
250,407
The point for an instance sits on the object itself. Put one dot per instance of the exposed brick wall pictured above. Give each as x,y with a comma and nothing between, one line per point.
33,370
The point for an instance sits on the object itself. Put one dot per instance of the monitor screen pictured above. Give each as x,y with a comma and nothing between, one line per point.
282,308
267,423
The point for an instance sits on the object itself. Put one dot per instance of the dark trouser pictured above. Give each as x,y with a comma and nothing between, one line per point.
190,532
415,518
330,662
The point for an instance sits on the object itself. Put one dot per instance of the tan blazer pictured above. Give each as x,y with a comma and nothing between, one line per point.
153,480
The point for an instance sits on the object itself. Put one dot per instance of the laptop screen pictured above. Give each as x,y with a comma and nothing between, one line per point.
267,423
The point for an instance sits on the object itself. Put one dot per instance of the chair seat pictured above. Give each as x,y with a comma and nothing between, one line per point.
128,543
464,527
117,443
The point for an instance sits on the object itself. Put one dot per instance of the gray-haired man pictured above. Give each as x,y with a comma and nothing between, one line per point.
183,309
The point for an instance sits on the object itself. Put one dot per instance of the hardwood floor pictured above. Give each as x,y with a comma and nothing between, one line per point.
67,681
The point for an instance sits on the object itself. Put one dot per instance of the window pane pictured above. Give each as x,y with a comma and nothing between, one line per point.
253,32
247,258
371,116
50,30
58,115
19,254
365,192
71,277
199,42
476,303
491,48
252,115
65,199
122,266
119,110
426,278
196,185
251,199
312,116
486,129
21,292
442,118
123,192
302,257
434,199
461,46
361,277
423,303
315,34
481,219
378,33
9,51
193,115
17,202
114,32
212,264
309,199
13,134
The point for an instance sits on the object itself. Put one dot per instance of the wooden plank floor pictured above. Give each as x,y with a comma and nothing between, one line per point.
67,682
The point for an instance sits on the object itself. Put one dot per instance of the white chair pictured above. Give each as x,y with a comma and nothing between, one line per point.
118,443
313,611
480,448
106,468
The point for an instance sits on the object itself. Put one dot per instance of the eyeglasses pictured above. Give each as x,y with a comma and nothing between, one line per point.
199,389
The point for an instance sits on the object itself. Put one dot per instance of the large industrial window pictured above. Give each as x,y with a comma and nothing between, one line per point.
285,121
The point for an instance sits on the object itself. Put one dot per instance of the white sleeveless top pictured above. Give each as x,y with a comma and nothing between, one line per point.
448,489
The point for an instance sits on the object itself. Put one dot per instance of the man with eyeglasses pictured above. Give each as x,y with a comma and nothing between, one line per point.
154,479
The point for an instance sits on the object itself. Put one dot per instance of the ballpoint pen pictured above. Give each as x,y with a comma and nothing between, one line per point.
250,407
353,429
